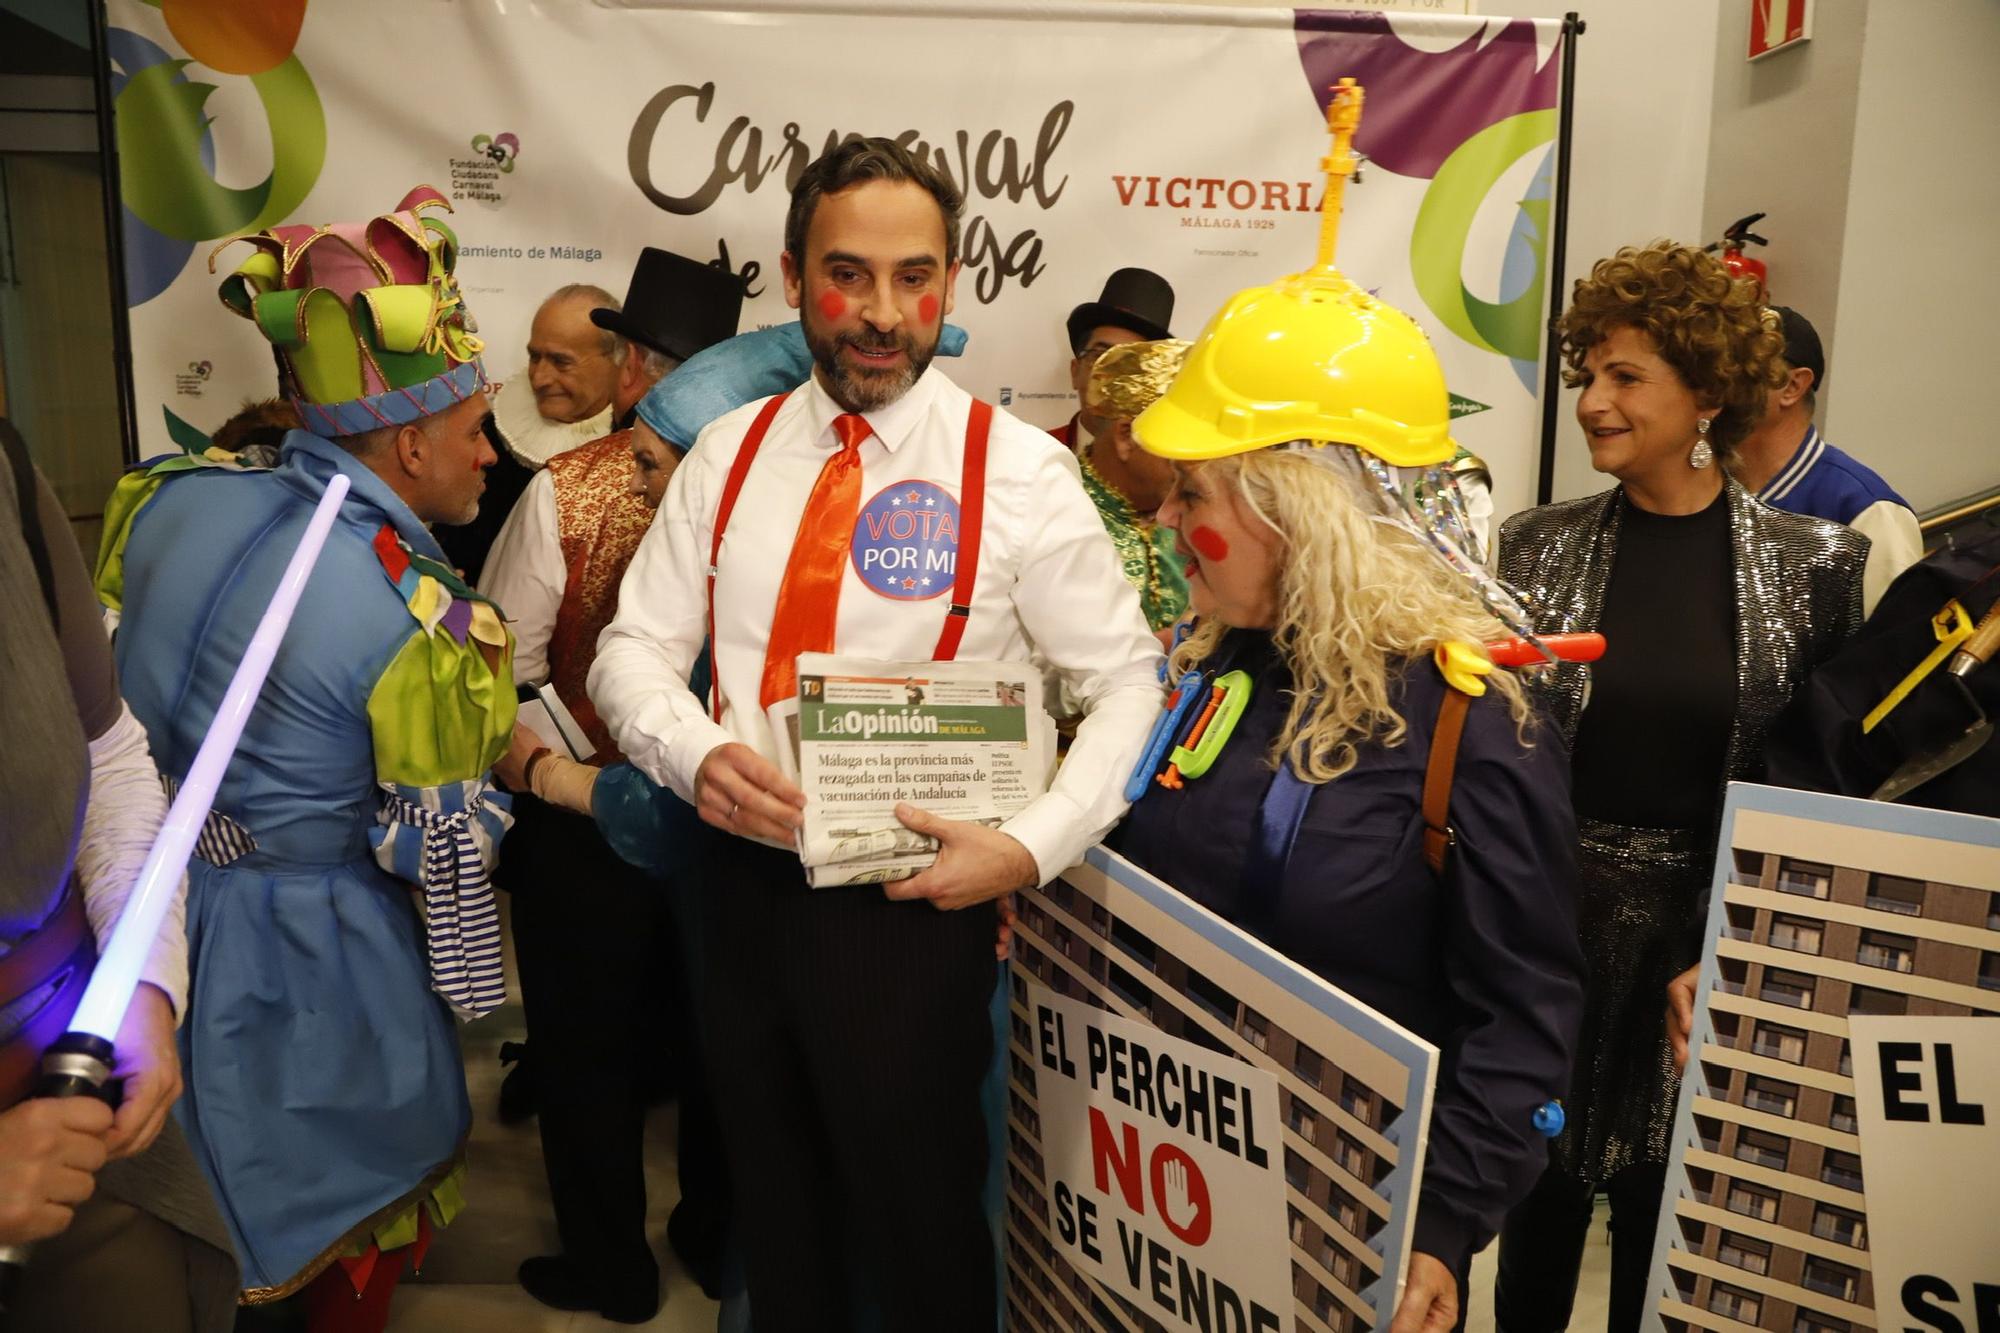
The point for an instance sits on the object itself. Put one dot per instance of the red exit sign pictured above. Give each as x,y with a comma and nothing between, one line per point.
1777,24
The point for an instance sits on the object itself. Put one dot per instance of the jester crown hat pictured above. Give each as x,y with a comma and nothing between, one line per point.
366,317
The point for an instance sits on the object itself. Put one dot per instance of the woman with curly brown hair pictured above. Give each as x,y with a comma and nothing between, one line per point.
1714,607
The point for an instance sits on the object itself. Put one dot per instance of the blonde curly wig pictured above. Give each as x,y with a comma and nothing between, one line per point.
1357,598
1711,327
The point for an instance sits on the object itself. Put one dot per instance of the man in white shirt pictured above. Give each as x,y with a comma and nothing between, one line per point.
564,398
849,1027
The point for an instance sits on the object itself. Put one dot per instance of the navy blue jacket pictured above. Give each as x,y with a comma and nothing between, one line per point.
1484,964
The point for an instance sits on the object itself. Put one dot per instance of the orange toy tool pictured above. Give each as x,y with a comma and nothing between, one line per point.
1171,779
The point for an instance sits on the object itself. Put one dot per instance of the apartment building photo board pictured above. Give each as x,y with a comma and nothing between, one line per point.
1354,1093
1822,907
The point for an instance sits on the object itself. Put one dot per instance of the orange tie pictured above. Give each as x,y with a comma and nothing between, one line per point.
809,598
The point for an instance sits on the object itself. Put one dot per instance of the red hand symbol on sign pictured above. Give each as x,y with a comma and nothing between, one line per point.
1180,1191
1181,1195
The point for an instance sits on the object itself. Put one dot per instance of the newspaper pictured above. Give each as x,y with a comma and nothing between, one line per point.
963,740
541,712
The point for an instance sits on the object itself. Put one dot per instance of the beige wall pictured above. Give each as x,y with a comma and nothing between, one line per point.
54,339
1782,143
1638,155
1909,382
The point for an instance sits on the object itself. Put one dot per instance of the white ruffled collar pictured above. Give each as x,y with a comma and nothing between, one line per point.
531,437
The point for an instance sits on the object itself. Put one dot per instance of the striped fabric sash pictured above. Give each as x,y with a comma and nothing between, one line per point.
461,918
221,839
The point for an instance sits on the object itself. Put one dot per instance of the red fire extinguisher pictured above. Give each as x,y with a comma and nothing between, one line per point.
1734,238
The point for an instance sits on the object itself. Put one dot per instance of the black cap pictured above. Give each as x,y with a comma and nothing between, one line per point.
1802,349
1134,298
675,305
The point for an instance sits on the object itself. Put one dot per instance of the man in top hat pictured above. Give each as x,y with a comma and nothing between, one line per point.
585,374
325,1098
562,399
1136,305
591,931
1787,463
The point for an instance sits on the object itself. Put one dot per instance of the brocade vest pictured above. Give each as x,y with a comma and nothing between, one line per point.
599,523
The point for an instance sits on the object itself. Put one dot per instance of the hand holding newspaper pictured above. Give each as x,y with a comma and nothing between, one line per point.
963,740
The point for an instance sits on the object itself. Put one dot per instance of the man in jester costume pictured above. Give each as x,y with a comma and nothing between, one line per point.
325,1097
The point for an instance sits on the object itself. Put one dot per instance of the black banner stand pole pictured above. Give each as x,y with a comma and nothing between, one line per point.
1545,469
114,234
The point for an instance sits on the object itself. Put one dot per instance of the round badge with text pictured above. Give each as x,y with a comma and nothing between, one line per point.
906,541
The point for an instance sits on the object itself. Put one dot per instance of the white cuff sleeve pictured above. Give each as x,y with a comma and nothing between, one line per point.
127,807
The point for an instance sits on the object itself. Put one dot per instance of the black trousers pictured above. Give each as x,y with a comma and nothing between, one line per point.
603,983
847,1037
1541,1249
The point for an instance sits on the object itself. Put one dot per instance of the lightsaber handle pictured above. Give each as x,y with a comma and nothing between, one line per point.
78,1064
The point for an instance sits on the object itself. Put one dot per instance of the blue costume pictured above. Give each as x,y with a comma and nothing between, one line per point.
325,1096
323,1079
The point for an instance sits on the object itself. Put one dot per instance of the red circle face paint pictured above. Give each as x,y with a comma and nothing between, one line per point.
927,308
832,305
1208,543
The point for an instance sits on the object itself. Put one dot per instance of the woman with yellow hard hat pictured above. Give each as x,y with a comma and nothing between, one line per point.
1328,561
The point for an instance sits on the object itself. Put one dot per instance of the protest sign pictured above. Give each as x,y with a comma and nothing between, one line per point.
1850,946
1161,1170
1928,1093
1201,1134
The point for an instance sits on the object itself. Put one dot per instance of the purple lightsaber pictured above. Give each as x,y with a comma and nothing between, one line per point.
81,1060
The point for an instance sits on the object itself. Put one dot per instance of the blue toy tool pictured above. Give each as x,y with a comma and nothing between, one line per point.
1192,691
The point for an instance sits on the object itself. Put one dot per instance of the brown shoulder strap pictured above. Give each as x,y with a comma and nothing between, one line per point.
1438,775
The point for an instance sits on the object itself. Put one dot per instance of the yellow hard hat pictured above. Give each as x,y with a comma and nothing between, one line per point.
1309,357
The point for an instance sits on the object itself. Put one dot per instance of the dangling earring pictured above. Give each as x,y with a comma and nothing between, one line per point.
1701,455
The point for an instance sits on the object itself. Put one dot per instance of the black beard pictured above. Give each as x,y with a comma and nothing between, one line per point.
867,390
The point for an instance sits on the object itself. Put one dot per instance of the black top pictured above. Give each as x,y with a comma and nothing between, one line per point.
1484,963
1654,735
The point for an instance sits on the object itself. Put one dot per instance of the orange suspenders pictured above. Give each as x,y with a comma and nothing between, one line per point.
972,507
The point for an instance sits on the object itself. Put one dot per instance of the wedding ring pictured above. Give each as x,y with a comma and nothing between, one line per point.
738,805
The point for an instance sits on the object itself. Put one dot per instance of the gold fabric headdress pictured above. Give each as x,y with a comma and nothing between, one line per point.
1131,377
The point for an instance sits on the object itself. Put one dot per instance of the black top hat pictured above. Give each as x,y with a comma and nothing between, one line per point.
1134,298
675,305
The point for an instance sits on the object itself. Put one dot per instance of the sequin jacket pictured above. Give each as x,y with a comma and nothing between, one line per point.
1798,599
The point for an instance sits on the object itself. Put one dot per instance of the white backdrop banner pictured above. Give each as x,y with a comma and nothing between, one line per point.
1086,138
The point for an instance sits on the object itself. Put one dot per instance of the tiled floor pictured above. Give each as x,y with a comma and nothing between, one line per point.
468,1281
1592,1291
468,1278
